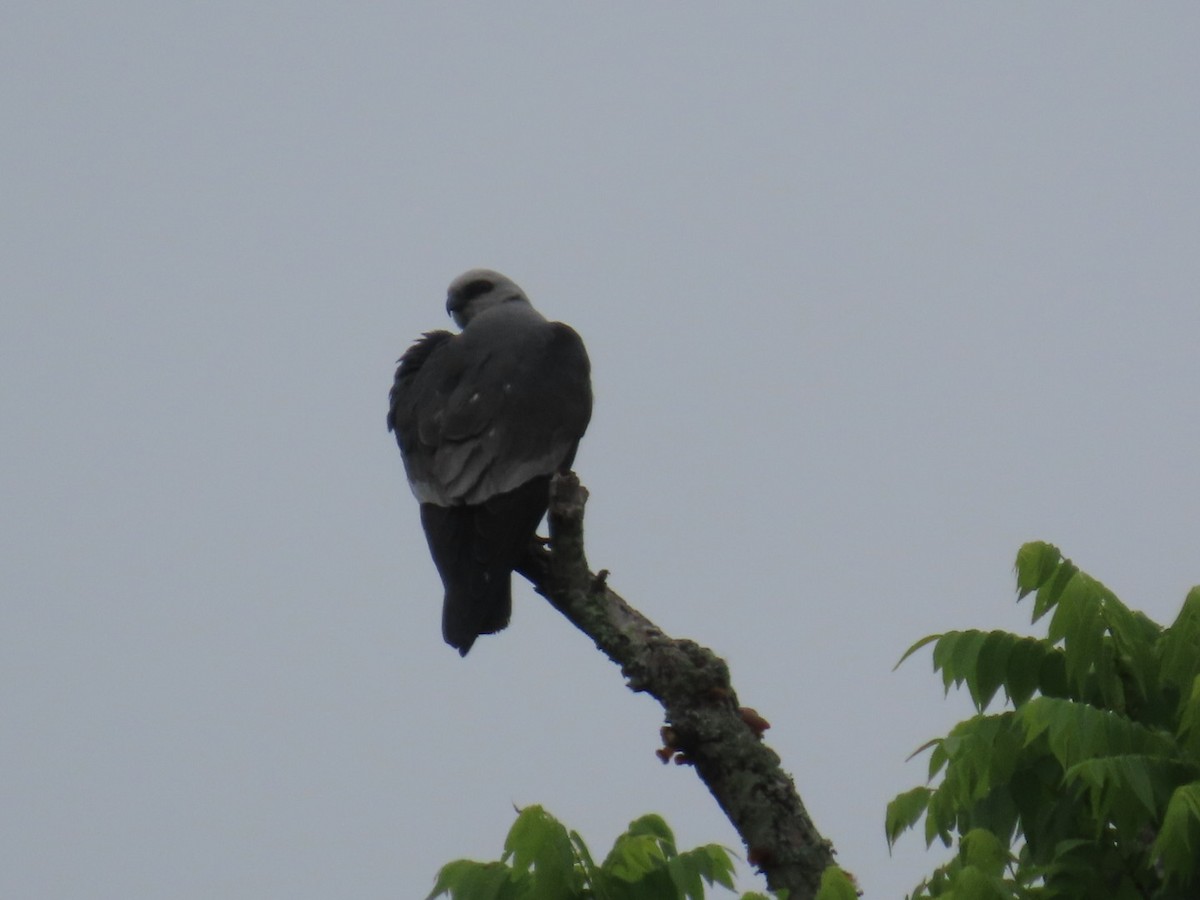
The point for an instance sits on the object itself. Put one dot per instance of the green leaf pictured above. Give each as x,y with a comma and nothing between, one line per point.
964,661
711,863
940,817
1052,675
978,659
836,884
1178,656
991,667
969,883
685,878
987,661
1178,843
1125,788
904,811
1024,664
943,656
980,753
1078,624
1036,562
655,826
1077,731
1107,680
464,879
634,855
584,857
539,842
928,639
1051,589
1136,636
984,851
1189,719
720,865
938,758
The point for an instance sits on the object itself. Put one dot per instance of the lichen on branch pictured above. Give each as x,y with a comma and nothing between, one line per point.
705,726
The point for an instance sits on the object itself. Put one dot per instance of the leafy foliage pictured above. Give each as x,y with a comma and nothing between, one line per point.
1089,785
543,861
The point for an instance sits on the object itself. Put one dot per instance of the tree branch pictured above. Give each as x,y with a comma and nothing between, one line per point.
705,727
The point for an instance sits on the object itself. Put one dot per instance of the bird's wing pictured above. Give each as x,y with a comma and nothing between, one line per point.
481,413
412,382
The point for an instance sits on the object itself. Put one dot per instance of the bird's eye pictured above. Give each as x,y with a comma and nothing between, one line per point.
475,289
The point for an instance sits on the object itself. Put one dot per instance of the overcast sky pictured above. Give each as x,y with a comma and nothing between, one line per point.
873,294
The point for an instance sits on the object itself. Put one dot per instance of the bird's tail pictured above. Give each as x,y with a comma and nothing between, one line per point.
468,614
475,549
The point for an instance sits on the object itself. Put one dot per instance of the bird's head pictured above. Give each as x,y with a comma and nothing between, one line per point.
478,290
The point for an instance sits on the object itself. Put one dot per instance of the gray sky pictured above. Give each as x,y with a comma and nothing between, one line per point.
873,293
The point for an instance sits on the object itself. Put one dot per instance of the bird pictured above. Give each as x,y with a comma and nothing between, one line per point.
484,419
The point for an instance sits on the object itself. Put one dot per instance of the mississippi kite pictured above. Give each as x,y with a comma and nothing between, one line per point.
484,419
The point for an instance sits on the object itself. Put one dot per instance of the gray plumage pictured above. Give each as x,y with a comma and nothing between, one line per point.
484,419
